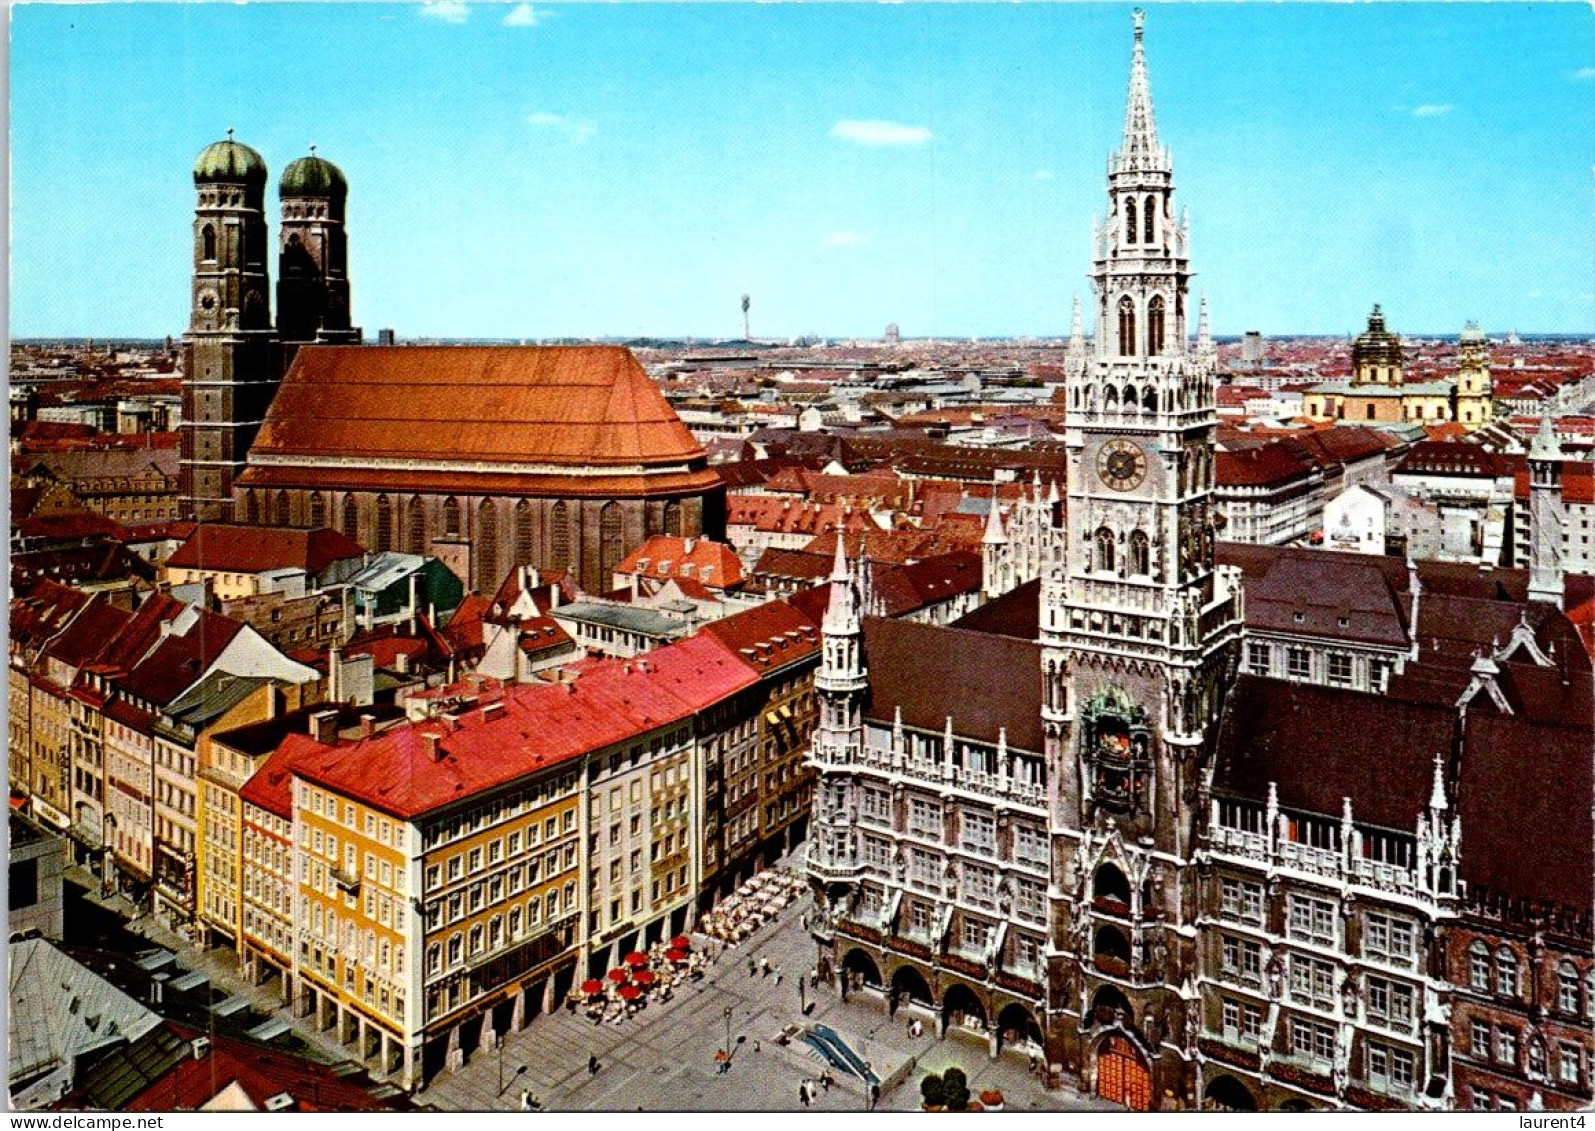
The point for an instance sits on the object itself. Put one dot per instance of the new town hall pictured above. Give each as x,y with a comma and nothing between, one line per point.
1211,825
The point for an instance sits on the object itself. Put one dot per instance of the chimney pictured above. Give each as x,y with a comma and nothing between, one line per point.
368,725
415,600
324,727
492,711
553,594
434,745
200,1047
401,663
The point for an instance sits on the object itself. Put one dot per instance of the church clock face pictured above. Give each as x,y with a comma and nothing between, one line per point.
1121,464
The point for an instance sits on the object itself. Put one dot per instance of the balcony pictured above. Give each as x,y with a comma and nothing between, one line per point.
348,882
993,787
1325,862
833,868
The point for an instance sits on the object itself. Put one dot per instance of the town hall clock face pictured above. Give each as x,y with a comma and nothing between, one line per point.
1121,465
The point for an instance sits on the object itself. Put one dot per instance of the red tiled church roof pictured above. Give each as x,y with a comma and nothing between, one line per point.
551,413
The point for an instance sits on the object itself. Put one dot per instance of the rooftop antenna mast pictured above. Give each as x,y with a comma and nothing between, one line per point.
746,302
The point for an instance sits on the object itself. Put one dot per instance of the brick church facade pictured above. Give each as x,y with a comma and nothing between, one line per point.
564,458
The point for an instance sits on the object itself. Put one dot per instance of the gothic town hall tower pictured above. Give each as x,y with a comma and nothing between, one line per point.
1139,632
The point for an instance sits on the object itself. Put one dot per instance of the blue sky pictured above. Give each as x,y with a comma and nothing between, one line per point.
591,170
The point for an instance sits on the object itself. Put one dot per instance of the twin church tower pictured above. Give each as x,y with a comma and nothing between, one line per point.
235,356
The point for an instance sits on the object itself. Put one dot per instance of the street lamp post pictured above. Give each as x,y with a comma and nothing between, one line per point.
728,1032
518,1071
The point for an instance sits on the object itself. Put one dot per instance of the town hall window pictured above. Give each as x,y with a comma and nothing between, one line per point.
1126,326
1104,549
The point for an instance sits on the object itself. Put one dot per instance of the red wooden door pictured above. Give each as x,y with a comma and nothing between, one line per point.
1122,1077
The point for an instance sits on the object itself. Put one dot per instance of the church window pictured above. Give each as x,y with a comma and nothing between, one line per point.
1129,221
1104,549
1506,972
487,545
1130,398
351,519
384,523
451,516
251,509
560,536
673,519
208,240
318,510
523,533
415,526
1126,327
1149,399
280,509
1140,553
609,541
1154,325
1110,397
1151,220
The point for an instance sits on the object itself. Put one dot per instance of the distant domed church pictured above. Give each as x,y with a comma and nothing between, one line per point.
565,458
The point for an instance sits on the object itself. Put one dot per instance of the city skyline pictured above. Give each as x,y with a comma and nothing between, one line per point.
847,187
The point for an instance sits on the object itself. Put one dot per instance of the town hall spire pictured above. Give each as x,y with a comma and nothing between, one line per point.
1140,149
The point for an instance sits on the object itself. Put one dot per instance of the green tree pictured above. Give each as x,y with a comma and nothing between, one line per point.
933,1091
956,1086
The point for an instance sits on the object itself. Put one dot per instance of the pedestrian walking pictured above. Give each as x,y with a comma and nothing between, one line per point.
825,1080
778,975
752,966
756,1044
764,966
803,1093
1034,1064
814,978
592,1065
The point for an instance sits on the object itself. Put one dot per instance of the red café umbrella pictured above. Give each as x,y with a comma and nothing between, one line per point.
644,977
617,975
630,992
636,958
681,942
675,955
592,986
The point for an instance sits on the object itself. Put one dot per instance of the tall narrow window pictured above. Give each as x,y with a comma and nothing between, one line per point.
559,536
415,526
451,516
1129,221
673,519
609,542
1151,220
279,515
318,510
487,577
1140,553
1154,325
351,519
1126,327
207,237
384,523
251,509
1104,549
523,533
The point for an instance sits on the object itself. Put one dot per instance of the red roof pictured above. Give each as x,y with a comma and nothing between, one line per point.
257,549
1442,457
712,564
537,726
1267,465
768,636
261,1072
530,411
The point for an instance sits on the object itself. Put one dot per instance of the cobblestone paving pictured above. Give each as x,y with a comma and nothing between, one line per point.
663,1059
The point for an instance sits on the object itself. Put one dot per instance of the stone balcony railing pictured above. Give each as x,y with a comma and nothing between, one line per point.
942,777
1329,863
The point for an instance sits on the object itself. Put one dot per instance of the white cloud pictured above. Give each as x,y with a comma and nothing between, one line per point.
577,130
1432,110
874,132
1584,73
523,15
449,11
1043,175
844,239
